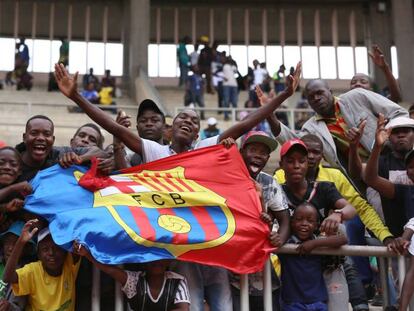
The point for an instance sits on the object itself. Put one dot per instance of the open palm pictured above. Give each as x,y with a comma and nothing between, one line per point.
67,84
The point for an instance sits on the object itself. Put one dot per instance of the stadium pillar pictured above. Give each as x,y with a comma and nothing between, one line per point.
136,21
403,25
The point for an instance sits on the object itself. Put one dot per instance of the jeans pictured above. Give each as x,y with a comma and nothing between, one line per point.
357,296
255,302
209,283
297,306
183,73
230,97
355,230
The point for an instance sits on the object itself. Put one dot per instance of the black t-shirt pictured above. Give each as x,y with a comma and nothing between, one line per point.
28,172
402,204
324,197
389,167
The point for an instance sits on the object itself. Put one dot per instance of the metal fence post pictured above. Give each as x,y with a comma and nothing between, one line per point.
119,301
267,286
401,271
244,292
96,289
383,270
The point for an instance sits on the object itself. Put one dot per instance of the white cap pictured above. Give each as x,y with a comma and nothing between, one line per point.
42,234
400,122
211,121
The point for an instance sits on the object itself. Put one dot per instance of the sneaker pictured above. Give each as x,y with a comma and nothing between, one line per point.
377,300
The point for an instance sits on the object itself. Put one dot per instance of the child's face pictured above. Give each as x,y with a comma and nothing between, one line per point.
9,241
255,156
9,167
51,256
295,165
39,139
304,222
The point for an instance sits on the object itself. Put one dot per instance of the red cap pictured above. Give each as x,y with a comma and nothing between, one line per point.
260,137
290,143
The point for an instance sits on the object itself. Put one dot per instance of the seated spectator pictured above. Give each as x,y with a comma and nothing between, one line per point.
90,78
8,241
106,99
90,93
156,288
49,282
306,291
108,80
211,130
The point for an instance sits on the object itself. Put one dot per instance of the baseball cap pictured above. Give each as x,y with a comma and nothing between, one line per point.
291,143
211,121
409,156
42,234
148,104
400,122
260,137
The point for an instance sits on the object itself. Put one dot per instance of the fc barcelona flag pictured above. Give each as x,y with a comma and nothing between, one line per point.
198,206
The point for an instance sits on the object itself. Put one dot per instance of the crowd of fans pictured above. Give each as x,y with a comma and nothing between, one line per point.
346,176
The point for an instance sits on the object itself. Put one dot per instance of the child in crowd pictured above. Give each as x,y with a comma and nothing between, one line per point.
11,193
155,289
8,301
303,285
49,282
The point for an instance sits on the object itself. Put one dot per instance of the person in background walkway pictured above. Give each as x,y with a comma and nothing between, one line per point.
364,81
195,90
211,129
279,79
230,89
64,52
204,62
194,55
183,60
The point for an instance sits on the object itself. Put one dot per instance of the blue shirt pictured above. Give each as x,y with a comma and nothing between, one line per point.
196,84
302,278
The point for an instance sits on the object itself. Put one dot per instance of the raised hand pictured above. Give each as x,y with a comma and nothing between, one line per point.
354,134
377,56
67,84
123,119
228,142
29,230
382,134
292,81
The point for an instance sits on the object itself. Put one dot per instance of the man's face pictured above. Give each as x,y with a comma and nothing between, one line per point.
320,98
51,256
150,125
186,126
360,80
86,137
295,165
39,139
315,153
9,167
402,139
255,156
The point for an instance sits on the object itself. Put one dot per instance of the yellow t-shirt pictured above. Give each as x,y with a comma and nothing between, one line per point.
45,292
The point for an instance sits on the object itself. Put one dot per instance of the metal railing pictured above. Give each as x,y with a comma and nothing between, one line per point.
380,252
234,111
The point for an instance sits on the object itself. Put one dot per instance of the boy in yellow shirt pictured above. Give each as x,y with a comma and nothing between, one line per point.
48,282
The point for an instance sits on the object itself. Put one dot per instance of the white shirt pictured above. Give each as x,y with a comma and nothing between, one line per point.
228,72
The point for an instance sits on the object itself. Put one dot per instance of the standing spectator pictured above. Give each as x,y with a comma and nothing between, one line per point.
259,76
195,90
183,60
194,55
217,75
230,90
279,79
64,53
23,52
204,62
90,78
211,130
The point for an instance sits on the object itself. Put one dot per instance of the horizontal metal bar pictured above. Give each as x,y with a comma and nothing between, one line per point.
346,250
